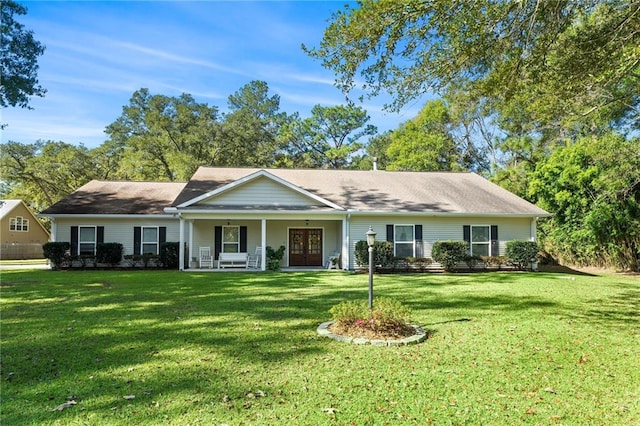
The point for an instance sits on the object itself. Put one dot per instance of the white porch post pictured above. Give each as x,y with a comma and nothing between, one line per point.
191,253
345,243
54,229
263,244
534,229
181,247
534,237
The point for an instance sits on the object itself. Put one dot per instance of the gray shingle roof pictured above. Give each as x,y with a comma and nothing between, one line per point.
382,191
366,191
118,197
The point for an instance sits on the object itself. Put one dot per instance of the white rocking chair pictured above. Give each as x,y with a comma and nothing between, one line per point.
255,261
206,260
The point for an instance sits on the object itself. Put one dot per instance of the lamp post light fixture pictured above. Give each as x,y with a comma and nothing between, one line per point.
371,240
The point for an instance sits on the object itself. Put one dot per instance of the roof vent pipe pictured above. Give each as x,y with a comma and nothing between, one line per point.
375,163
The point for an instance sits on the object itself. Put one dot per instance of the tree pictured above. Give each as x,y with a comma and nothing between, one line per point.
44,172
329,138
19,52
165,138
250,130
376,147
568,65
425,143
592,188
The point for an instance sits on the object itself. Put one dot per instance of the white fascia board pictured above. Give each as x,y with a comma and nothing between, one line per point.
445,214
108,216
253,176
186,214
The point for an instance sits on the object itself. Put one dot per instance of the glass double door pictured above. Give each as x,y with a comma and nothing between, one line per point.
305,247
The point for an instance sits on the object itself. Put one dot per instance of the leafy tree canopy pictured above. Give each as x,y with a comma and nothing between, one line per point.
19,51
425,143
44,172
327,139
164,138
592,187
564,64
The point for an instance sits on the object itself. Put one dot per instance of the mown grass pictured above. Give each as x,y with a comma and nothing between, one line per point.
233,348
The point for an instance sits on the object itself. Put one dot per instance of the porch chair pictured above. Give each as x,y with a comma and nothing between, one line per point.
206,260
255,260
334,261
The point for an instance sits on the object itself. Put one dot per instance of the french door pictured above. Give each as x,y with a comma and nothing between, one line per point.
305,247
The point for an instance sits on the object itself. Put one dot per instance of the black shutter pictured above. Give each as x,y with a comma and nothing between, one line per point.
162,234
100,234
137,240
419,248
243,239
74,241
466,235
217,241
495,248
390,233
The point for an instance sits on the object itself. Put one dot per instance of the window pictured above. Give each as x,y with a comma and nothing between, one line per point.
480,240
404,241
87,240
150,240
147,239
230,239
18,223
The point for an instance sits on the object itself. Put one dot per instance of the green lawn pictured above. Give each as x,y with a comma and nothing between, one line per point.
234,348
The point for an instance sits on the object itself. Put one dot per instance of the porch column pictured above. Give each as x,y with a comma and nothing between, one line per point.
534,229
345,243
54,229
190,242
263,244
534,237
181,247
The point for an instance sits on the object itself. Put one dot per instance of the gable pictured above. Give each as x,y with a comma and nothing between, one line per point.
14,209
263,192
257,190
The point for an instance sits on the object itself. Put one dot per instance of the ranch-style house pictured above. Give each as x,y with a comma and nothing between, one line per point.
227,217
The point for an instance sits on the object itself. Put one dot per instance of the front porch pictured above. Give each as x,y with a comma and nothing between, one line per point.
309,244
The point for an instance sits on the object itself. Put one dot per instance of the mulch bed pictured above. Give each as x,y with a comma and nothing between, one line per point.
395,333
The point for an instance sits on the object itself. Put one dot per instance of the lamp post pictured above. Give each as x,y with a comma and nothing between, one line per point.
371,239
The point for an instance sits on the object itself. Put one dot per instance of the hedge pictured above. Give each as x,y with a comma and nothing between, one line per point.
449,253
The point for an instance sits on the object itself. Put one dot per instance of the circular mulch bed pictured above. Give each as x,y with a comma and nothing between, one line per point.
412,334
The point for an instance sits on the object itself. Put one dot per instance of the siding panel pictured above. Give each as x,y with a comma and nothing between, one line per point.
261,192
439,229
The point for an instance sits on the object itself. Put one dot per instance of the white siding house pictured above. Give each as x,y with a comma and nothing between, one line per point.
314,214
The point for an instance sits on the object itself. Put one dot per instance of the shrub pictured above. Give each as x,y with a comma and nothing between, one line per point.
347,313
496,261
382,253
57,253
169,255
472,261
449,253
110,253
522,253
387,315
400,263
274,257
362,253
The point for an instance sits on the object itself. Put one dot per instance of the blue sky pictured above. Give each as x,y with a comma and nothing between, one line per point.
99,53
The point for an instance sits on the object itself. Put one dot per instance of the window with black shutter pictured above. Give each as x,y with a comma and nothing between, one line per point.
482,239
